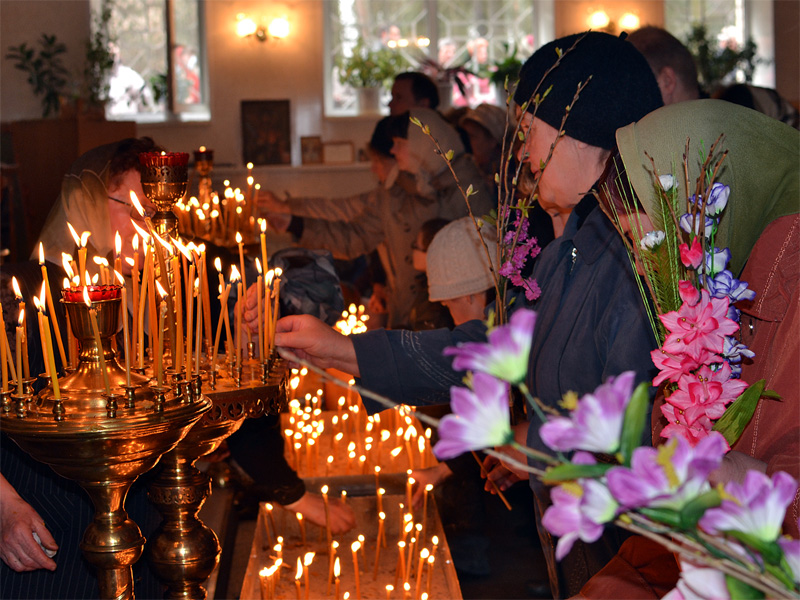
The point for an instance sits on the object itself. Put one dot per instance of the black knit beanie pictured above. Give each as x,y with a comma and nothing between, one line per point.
622,90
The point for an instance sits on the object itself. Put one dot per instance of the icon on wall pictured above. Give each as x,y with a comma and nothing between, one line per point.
266,132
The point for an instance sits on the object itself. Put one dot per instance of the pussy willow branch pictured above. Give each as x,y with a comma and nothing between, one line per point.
695,553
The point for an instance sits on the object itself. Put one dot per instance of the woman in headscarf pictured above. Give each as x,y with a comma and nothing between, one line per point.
591,321
760,225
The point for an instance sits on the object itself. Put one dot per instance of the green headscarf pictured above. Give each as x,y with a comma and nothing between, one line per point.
762,167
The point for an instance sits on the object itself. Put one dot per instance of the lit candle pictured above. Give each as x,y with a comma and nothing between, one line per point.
297,577
259,293
268,277
276,301
206,297
197,340
423,556
162,312
135,276
344,496
428,488
269,508
381,518
409,486
239,306
50,306
98,342
336,572
401,561
177,358
18,341
190,289
226,319
117,252
125,336
324,491
406,590
308,558
431,558
24,323
354,547
140,314
331,563
240,243
389,590
381,529
302,524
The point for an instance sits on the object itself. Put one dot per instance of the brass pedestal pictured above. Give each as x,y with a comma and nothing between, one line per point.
183,552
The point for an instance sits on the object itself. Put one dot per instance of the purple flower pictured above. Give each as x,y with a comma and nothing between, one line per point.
725,284
791,550
717,199
691,225
733,350
596,423
699,583
756,506
480,418
579,510
667,476
717,260
505,355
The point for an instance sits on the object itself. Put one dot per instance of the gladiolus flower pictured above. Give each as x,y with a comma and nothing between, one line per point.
505,355
756,506
691,256
596,424
579,511
480,419
679,426
703,325
667,476
706,392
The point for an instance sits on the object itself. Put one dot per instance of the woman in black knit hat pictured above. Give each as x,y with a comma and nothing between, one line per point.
591,321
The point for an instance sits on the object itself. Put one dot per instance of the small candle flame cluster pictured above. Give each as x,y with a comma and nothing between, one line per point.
214,217
353,320
347,441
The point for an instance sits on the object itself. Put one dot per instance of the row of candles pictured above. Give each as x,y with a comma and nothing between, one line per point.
161,274
216,218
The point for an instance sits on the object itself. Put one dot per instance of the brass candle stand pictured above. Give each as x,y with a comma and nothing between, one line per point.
183,552
165,180
101,441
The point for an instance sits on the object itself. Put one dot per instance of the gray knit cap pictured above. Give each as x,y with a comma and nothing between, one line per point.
456,261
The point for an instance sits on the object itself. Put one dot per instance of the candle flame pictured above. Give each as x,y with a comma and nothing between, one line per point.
41,253
324,490
21,318
389,587
119,277
238,238
346,596
424,553
269,276
65,284
249,165
85,238
258,266
167,246
235,274
74,234
160,289
263,224
17,291
202,149
99,260
95,278
218,264
435,540
278,271
117,243
382,515
183,249
381,491
299,516
86,297
86,279
141,232
130,261
355,546
431,558
135,243
337,569
196,285
299,573
136,204
407,586
36,304
308,558
66,262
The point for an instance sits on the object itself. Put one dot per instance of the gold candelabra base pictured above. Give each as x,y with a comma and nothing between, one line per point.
183,552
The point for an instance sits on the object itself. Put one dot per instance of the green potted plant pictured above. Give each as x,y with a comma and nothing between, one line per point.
369,71
100,61
46,72
715,63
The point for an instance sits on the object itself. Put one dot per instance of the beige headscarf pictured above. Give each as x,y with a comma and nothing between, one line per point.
83,203
762,167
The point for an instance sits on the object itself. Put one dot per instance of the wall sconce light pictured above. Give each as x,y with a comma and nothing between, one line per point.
599,20
246,27
629,22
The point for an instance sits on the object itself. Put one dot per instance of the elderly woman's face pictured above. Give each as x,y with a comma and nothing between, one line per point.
571,170
402,154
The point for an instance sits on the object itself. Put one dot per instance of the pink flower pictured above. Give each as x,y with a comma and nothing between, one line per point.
596,423
667,476
579,510
678,426
480,419
706,392
688,293
672,366
791,550
505,355
702,325
756,506
691,256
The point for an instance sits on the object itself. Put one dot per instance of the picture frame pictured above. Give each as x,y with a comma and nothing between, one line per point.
311,150
266,132
338,153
